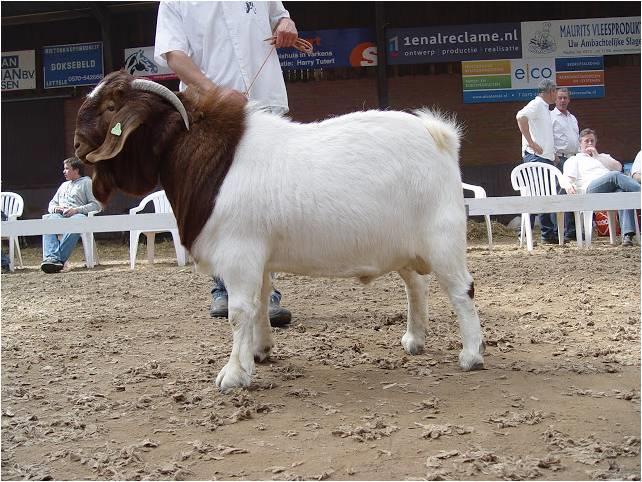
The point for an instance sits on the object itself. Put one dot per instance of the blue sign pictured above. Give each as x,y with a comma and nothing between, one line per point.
454,43
574,64
351,47
72,65
526,95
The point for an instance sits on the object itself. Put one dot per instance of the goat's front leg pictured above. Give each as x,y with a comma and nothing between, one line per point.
243,313
263,341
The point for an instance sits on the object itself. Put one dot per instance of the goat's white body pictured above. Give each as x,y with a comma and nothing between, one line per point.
355,196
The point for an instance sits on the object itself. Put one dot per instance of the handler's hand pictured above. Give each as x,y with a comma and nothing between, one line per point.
233,96
286,33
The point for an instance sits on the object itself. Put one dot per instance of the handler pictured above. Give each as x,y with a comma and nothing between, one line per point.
210,44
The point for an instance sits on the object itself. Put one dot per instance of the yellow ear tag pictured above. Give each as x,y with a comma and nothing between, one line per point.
116,130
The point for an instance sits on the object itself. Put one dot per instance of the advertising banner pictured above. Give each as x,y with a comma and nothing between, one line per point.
73,64
350,47
587,37
453,43
516,80
19,70
139,62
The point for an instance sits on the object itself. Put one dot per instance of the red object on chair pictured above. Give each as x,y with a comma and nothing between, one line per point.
602,224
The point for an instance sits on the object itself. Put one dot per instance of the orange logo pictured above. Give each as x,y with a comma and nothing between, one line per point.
364,55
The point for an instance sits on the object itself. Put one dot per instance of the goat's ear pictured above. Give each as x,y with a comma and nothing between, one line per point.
121,126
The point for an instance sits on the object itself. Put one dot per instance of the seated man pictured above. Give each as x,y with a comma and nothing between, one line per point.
6,262
73,198
592,172
636,168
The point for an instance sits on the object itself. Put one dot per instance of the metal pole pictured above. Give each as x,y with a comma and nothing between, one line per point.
382,56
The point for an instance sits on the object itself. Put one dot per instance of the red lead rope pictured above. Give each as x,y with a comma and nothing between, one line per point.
300,44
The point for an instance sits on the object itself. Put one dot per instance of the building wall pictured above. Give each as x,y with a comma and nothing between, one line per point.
492,143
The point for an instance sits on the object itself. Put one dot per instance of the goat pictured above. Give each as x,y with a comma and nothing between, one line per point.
357,195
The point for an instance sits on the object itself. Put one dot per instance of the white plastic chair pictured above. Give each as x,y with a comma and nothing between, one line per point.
12,206
161,205
480,192
88,245
587,225
539,179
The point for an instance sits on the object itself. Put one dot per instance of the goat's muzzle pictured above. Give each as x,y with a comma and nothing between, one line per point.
81,148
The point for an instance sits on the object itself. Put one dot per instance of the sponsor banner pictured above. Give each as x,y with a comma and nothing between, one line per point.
73,64
586,37
454,43
139,62
516,80
19,70
351,47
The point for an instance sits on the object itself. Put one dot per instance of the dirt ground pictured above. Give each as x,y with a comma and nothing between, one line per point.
108,374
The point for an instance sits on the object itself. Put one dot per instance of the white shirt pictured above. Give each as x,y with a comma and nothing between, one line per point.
539,124
583,169
226,41
636,164
566,133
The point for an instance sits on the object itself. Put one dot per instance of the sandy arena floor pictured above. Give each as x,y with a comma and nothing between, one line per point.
107,374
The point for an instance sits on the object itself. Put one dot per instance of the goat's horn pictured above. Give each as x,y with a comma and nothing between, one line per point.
149,86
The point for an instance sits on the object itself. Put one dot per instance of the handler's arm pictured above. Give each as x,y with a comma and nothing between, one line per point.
192,76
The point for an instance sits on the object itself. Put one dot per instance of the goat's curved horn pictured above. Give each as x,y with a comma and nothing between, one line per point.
149,86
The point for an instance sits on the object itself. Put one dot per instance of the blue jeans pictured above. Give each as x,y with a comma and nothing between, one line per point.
59,250
5,259
546,220
219,289
569,218
617,182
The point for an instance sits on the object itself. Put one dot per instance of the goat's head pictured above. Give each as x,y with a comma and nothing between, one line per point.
118,128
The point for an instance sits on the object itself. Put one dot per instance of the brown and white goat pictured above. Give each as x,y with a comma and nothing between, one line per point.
358,195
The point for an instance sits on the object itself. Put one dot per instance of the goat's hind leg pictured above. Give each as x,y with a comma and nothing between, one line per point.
449,266
243,314
414,339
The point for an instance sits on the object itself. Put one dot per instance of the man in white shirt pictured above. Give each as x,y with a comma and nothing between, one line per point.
566,140
224,44
566,131
592,172
534,122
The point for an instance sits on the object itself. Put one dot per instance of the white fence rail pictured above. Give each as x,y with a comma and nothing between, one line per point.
474,206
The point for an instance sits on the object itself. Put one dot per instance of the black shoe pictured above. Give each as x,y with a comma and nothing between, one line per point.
550,241
279,316
627,240
51,266
218,309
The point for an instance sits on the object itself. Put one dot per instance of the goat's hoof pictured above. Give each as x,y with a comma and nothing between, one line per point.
470,361
232,376
262,354
412,344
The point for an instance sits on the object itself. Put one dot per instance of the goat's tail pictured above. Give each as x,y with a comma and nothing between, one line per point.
443,128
